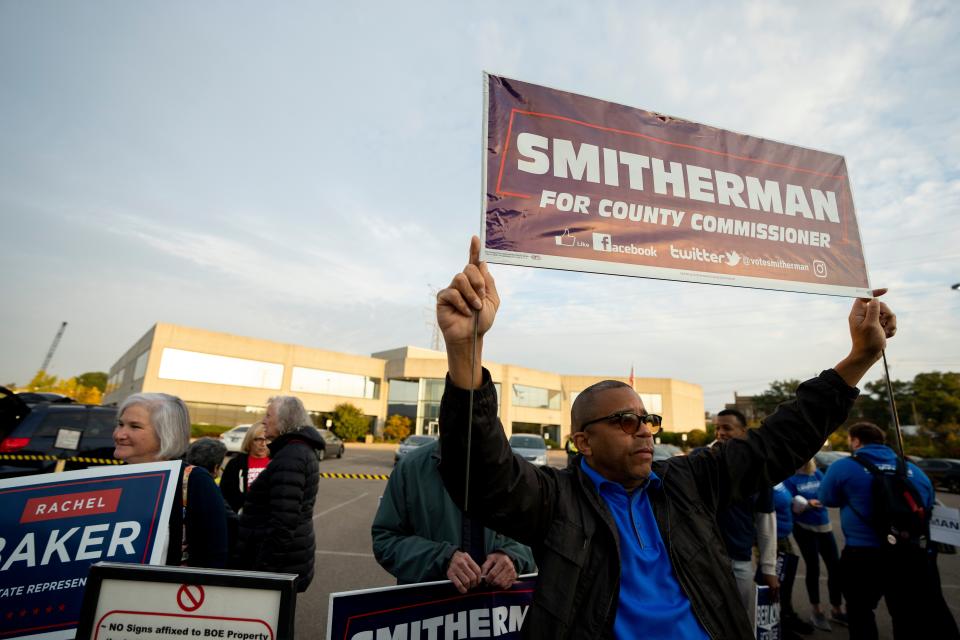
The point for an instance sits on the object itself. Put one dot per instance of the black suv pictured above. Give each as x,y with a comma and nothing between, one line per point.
31,424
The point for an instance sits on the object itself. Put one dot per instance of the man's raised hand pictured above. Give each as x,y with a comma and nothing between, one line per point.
471,291
871,324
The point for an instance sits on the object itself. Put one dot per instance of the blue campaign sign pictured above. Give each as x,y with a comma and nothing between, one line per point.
429,610
767,615
54,526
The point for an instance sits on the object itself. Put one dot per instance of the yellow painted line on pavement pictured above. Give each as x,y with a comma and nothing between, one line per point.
355,476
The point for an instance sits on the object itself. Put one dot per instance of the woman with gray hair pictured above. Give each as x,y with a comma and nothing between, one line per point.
276,522
156,426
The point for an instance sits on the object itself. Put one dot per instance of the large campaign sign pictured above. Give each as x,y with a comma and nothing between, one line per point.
576,183
54,526
429,610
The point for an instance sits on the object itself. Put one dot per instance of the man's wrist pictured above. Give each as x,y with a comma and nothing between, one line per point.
460,357
855,366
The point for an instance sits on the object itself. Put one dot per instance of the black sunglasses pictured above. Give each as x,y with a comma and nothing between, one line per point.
630,421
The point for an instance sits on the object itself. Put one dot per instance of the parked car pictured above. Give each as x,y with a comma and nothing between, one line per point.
664,451
530,447
824,459
35,426
944,472
234,437
334,444
410,443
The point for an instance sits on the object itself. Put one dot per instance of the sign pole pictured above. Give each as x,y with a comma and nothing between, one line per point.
893,406
473,383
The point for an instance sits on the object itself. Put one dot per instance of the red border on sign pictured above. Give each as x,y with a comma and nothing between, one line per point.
49,626
96,632
346,631
635,134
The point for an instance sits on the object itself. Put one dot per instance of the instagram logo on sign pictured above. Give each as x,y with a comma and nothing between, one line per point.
820,268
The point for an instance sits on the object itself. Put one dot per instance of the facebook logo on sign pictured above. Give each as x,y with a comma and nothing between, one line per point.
602,242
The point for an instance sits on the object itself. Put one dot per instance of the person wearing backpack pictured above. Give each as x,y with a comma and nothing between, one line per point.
885,511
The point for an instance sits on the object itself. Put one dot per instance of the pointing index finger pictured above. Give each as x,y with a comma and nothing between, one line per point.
475,250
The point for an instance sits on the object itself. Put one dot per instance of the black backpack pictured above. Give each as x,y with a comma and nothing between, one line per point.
899,518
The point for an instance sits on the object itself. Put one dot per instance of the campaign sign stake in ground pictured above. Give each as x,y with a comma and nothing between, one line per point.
576,183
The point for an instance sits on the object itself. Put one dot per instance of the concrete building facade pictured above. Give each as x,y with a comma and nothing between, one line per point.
227,379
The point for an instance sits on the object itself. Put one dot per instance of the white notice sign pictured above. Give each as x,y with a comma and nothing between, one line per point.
945,525
123,602
155,611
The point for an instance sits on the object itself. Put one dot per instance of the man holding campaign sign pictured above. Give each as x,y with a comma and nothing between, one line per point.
624,544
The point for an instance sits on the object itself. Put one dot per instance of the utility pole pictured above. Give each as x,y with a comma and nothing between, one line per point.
53,347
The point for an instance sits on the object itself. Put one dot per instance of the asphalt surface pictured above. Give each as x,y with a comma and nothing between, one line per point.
345,509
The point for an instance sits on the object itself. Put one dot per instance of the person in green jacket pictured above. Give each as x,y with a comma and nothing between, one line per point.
420,535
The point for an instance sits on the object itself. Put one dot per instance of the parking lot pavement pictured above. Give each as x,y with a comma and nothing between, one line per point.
342,518
345,510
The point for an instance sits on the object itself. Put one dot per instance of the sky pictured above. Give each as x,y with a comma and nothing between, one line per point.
310,172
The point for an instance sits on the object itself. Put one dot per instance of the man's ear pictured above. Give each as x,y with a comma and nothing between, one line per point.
582,440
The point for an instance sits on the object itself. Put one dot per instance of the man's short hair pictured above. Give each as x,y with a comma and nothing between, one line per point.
867,433
206,453
579,412
736,414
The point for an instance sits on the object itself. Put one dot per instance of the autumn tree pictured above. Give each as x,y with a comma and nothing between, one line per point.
397,427
70,387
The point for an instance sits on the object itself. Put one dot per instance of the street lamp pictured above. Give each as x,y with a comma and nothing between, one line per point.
956,287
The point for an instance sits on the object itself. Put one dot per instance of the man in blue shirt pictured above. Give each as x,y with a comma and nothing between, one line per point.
626,547
906,580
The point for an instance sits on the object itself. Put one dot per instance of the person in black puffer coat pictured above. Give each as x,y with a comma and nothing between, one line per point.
276,522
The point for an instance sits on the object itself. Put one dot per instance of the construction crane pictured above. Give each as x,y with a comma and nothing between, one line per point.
53,347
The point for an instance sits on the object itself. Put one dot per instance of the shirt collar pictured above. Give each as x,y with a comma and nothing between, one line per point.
653,480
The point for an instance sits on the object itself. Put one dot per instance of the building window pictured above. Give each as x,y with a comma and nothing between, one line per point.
224,415
192,366
535,397
140,368
652,402
112,383
419,400
334,383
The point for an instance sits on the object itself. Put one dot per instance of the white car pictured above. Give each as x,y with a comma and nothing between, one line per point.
530,447
410,443
234,437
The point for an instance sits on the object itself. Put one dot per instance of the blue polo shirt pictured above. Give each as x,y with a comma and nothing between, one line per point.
651,603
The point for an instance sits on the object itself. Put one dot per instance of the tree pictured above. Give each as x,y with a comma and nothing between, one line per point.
71,387
95,379
697,438
349,422
931,401
780,391
671,437
42,382
873,405
397,427
937,397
